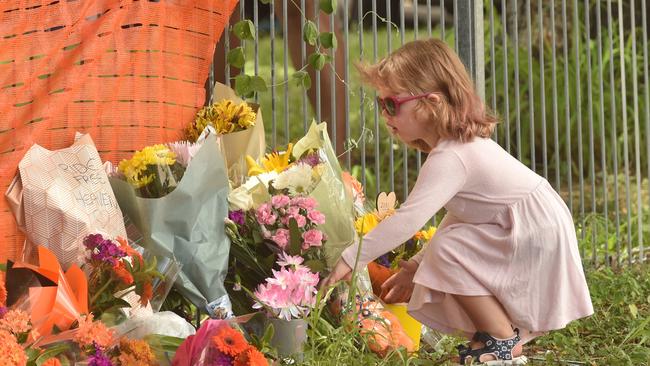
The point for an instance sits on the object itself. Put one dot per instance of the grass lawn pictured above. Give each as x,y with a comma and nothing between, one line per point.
617,334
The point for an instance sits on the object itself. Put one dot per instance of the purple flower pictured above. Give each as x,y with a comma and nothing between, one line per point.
311,159
99,359
410,244
384,261
102,249
238,217
92,241
221,359
3,311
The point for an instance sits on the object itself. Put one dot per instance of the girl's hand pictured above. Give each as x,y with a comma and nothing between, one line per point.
341,271
399,287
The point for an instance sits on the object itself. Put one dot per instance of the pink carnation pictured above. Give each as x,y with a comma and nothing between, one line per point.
307,203
300,220
281,238
280,200
316,217
312,238
264,215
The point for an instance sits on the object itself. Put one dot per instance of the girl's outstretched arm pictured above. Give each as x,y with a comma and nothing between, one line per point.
441,177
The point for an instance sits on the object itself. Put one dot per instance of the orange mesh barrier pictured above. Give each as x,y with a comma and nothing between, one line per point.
129,72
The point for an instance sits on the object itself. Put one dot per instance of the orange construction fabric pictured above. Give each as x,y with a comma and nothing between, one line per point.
129,72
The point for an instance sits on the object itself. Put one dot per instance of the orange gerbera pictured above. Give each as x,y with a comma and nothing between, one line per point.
251,357
229,341
51,362
129,250
147,293
122,273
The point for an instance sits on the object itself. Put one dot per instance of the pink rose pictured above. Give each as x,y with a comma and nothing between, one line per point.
281,238
312,238
316,217
280,200
301,221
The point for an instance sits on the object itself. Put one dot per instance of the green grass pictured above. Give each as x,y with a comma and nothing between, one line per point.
617,334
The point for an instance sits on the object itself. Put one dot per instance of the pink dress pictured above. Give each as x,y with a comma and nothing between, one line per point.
507,233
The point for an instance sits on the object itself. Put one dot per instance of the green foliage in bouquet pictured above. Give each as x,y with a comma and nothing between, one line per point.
153,171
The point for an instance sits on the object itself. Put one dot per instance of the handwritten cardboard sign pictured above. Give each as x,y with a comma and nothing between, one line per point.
59,197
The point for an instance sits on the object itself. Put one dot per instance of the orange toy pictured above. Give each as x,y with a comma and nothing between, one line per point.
384,332
131,73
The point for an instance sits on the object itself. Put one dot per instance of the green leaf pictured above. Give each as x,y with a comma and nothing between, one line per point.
243,85
32,354
244,30
51,352
327,40
236,57
294,237
163,342
268,334
258,84
328,6
310,33
317,60
302,79
315,265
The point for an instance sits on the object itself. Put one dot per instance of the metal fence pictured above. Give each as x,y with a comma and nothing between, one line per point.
569,80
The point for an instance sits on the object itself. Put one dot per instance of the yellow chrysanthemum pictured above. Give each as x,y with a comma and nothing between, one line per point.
134,168
425,235
225,116
365,223
274,161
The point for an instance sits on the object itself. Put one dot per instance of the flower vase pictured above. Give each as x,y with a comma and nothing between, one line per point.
289,337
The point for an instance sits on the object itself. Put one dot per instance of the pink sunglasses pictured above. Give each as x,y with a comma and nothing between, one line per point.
391,104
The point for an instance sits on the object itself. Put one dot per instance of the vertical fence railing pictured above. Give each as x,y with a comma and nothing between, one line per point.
568,80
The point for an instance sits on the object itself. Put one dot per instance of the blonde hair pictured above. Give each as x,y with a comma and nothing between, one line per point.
429,65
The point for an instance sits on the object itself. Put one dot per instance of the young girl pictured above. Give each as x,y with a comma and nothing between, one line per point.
503,266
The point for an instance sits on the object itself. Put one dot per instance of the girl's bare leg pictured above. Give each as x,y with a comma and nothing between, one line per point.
488,316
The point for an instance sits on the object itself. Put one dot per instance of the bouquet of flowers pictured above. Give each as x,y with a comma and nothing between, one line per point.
308,168
21,342
259,236
239,126
218,343
291,292
183,223
114,270
155,171
226,116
